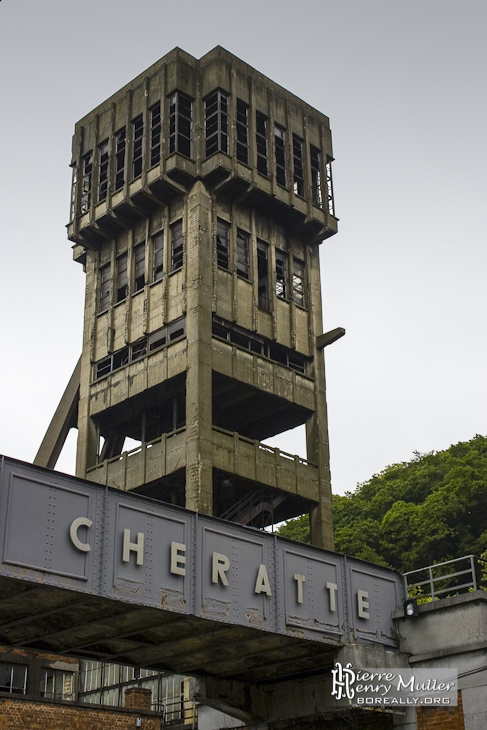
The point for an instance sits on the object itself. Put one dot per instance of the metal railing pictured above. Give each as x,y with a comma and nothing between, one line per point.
443,578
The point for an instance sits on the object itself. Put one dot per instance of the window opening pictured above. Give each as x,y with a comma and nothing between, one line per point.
280,151
137,135
223,244
298,169
120,143
242,253
87,162
315,176
216,122
329,187
158,256
139,261
73,192
138,350
120,358
242,132
103,160
298,282
281,274
180,123
122,278
13,678
104,287
57,684
155,134
261,142
177,245
263,274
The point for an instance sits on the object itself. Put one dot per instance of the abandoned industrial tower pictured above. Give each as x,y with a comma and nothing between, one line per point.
201,192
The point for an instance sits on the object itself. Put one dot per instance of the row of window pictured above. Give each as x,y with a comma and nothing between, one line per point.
216,140
54,683
161,337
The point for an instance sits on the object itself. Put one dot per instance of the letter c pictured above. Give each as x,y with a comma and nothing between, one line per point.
73,533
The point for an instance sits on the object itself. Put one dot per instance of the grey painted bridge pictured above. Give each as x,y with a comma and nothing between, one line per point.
93,571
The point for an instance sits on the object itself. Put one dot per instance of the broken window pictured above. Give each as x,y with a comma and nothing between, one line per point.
242,132
158,256
120,358
180,123
87,162
261,142
138,350
177,245
223,244
280,152
120,141
329,187
57,684
72,210
137,138
104,287
298,169
139,264
298,282
315,176
263,274
242,253
122,277
103,161
216,122
281,274
13,678
155,134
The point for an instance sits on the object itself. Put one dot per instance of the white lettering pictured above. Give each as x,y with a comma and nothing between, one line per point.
401,684
363,604
178,561
262,584
332,588
136,547
73,533
220,565
299,580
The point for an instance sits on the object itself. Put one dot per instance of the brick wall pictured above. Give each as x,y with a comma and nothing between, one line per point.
441,718
19,714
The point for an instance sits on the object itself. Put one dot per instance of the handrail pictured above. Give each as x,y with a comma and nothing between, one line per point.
432,580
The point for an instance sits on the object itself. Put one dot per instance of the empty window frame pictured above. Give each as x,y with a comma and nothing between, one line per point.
139,266
223,244
137,139
298,167
180,123
13,678
103,161
315,156
263,274
281,274
120,145
261,142
105,287
280,152
57,684
298,282
158,256
216,122
87,163
155,134
242,129
72,210
177,245
329,187
243,253
122,277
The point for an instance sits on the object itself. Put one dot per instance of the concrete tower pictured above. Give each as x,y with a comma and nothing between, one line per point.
201,192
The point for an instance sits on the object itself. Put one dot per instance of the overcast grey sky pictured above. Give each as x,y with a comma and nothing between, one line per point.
404,85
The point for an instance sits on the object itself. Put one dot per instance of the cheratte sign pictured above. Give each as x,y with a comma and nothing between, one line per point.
62,531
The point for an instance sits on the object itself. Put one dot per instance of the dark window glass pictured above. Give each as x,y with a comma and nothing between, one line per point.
139,262
280,151
216,122
103,161
281,274
315,176
242,130
242,253
104,287
180,123
87,163
137,137
298,169
177,245
158,256
261,142
263,274
138,350
155,134
13,678
223,244
120,141
122,278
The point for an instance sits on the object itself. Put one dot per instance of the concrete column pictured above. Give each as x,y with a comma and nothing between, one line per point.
199,282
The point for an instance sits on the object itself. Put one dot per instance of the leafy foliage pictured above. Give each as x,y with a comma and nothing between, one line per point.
428,510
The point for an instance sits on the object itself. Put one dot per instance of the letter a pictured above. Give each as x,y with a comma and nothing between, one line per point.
262,583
